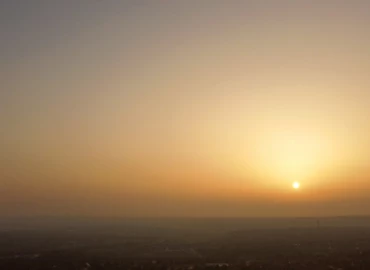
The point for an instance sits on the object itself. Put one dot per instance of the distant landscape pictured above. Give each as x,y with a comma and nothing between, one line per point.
203,243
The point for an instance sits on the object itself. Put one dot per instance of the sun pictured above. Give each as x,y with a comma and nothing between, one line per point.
296,185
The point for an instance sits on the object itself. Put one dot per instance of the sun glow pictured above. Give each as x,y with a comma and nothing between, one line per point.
292,156
296,185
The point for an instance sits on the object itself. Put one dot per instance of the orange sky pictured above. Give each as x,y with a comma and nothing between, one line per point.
185,109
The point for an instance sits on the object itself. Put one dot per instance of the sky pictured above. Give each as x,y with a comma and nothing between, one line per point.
184,108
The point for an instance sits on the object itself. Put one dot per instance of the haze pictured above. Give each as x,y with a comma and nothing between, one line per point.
184,108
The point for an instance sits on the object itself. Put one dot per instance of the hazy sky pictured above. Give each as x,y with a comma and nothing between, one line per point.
184,108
